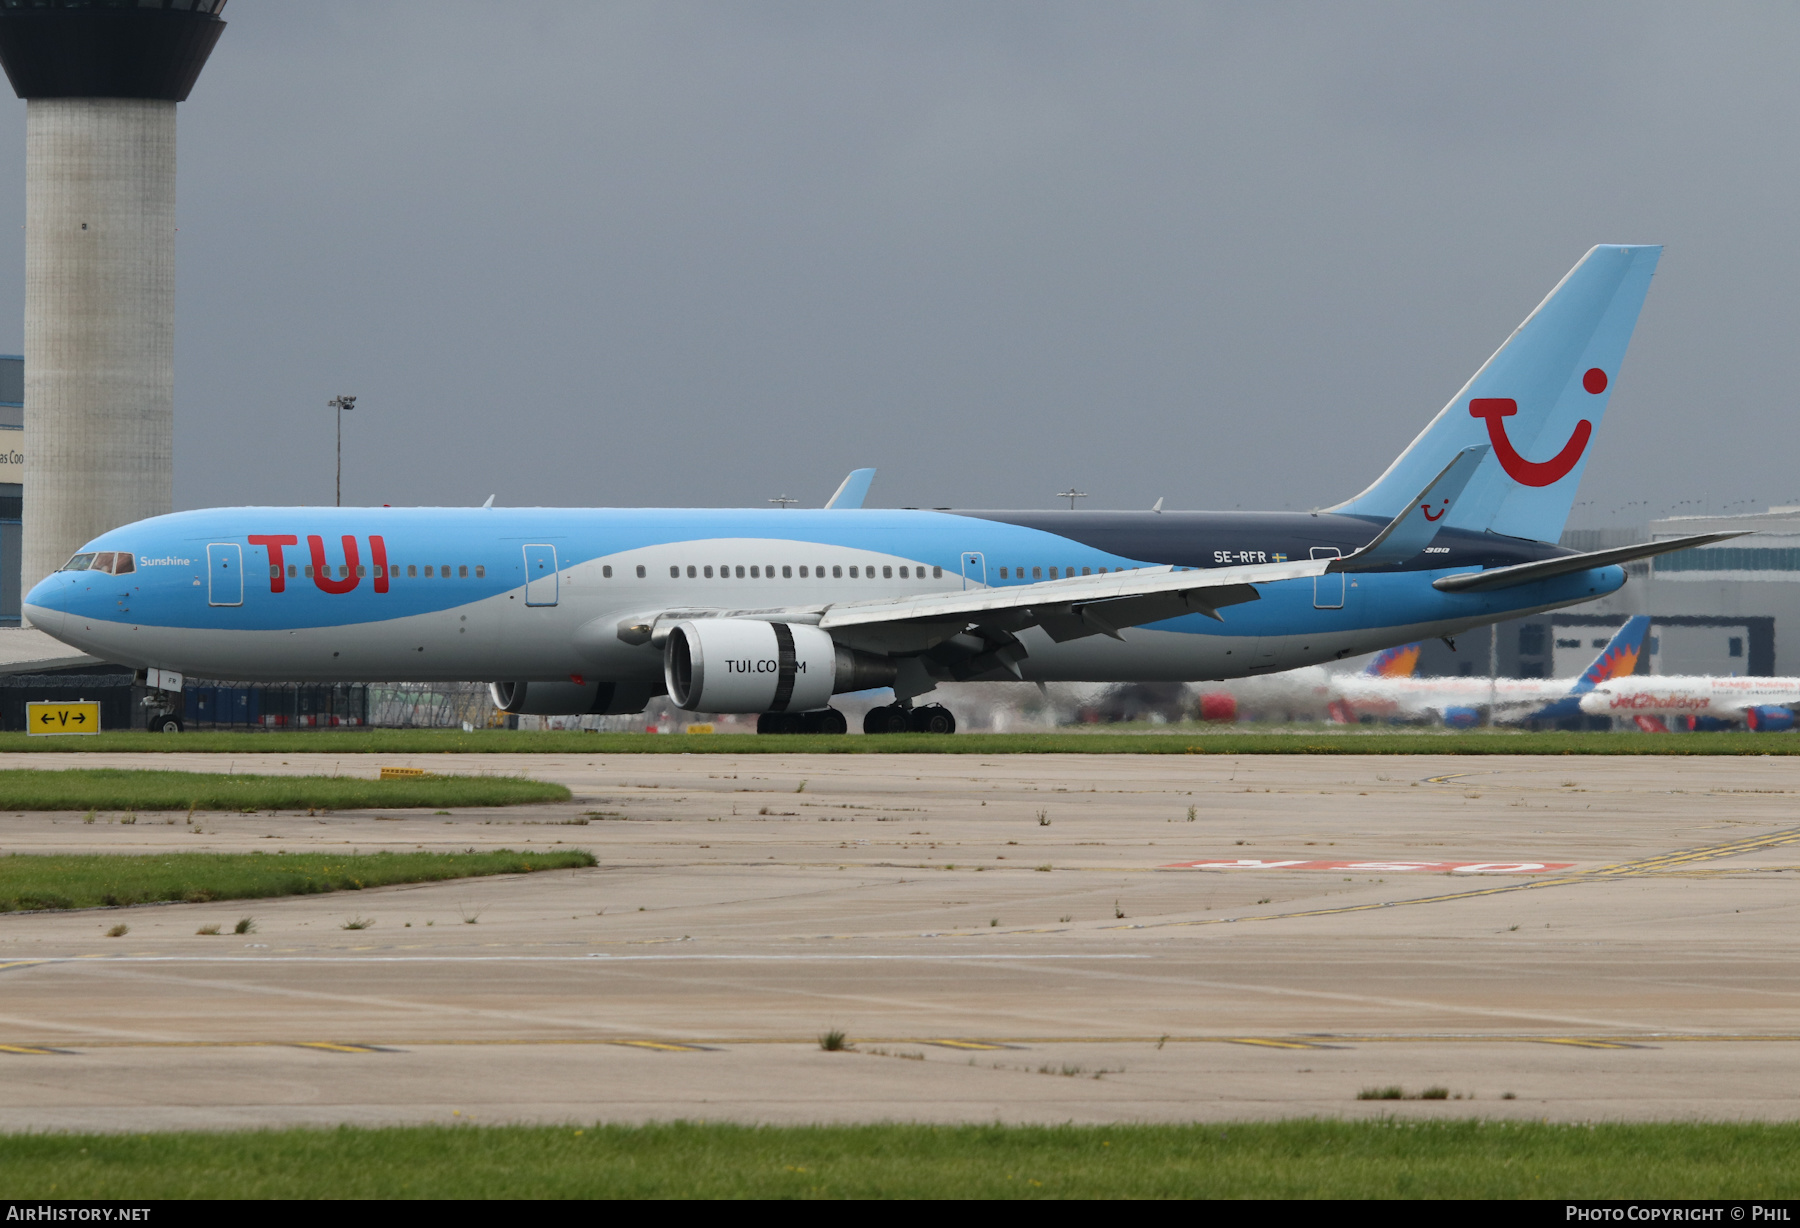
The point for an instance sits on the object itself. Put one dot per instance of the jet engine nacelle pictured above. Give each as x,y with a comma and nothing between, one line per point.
570,698
745,665
1462,718
1769,719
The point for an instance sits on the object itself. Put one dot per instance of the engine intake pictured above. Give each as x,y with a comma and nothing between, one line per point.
745,665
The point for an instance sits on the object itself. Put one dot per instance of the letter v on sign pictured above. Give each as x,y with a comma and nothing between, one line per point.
1536,473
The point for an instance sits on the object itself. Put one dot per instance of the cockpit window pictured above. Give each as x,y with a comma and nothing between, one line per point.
80,562
122,563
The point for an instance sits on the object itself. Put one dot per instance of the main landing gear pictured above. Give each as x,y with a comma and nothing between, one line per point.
892,718
826,720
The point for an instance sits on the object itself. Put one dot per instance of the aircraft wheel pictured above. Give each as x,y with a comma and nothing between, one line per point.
933,718
165,722
889,718
830,720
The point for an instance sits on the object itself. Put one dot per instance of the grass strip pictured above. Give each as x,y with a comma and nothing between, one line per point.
1198,739
139,789
1288,1159
94,880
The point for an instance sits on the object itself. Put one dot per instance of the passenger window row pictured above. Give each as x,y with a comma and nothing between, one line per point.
391,572
759,572
1037,573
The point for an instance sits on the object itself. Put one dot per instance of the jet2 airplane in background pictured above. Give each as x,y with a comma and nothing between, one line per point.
773,611
1762,704
1460,702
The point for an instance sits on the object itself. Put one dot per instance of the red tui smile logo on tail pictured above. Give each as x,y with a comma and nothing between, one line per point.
1535,473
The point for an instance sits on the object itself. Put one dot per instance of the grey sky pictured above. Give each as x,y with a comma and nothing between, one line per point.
1231,255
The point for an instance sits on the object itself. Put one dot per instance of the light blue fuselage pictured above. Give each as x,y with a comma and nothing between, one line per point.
540,593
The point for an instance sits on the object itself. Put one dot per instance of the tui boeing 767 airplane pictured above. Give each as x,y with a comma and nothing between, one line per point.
600,610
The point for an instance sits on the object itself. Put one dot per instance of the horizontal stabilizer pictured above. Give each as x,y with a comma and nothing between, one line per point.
1544,569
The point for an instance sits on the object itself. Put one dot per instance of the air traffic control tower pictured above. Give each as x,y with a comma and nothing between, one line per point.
101,79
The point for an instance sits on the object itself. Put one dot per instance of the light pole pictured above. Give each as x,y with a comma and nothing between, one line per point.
341,404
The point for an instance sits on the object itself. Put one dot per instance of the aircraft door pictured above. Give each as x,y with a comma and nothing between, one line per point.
225,574
540,575
974,569
1328,589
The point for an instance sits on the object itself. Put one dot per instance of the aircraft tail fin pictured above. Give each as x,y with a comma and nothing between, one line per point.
1394,662
1619,658
1537,402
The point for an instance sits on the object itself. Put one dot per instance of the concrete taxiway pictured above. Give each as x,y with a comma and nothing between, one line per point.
1002,937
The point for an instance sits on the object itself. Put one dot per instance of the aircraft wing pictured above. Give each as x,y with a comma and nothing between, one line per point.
1071,608
1080,605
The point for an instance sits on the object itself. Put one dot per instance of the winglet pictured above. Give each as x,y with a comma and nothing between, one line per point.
1413,529
852,491
490,501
